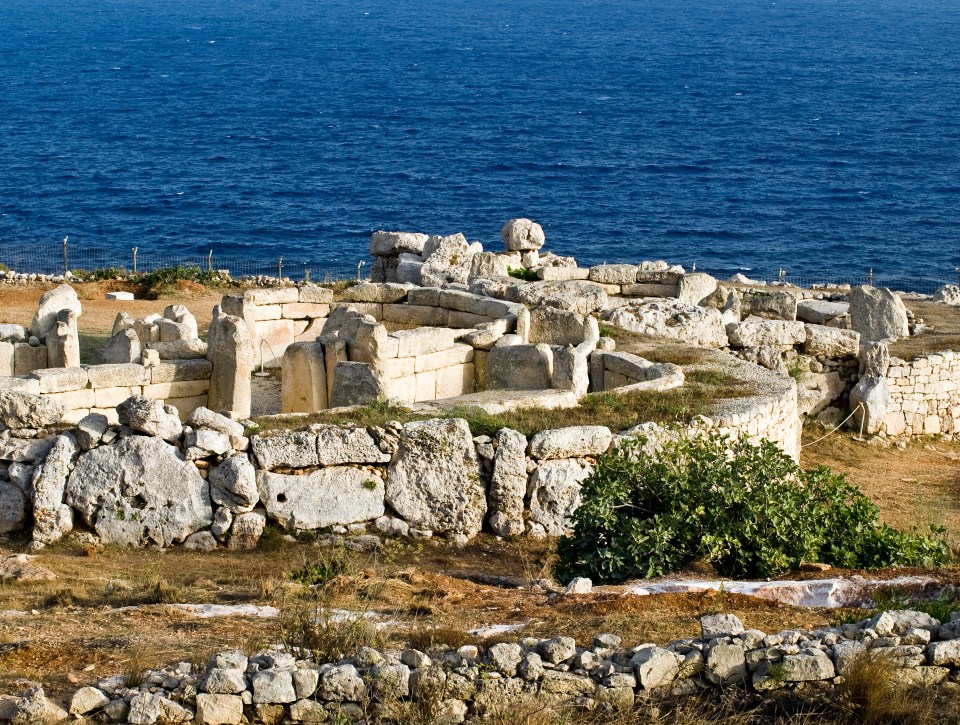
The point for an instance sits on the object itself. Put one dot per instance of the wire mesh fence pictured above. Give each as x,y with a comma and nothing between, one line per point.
84,259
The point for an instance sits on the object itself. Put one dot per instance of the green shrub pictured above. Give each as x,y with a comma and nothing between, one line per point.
748,510
322,571
528,275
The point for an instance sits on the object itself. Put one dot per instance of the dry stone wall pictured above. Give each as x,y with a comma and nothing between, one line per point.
473,684
924,395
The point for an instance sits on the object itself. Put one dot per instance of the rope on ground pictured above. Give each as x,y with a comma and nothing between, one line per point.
840,425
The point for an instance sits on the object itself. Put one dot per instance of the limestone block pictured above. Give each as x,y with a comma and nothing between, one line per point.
560,274
464,320
521,235
179,349
613,274
508,484
628,365
171,331
338,445
112,397
672,319
272,339
26,358
555,494
262,313
170,371
557,327
831,342
310,331
456,354
820,312
386,292
231,352
392,244
327,497
480,370
650,289
116,376
304,383
571,371
455,380
122,347
877,314
519,367
409,269
464,302
13,333
74,399
60,380
778,333
72,417
434,479
572,442
491,264
315,294
51,303
415,315
63,343
334,351
423,341
180,389
425,386
398,367
304,310
354,383
773,305
402,389
694,288
424,296
7,359
286,449
447,259
869,401
273,295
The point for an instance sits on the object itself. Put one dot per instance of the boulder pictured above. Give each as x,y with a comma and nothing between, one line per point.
25,410
521,235
52,302
714,626
817,391
877,314
246,530
233,484
333,496
179,349
760,333
614,274
573,442
491,264
87,699
654,666
508,483
807,666
392,244
672,319
13,333
52,518
139,491
447,259
726,664
434,480
695,288
230,349
286,449
205,418
555,494
831,342
63,342
151,417
181,316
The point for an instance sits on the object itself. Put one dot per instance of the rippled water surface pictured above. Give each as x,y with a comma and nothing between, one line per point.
821,136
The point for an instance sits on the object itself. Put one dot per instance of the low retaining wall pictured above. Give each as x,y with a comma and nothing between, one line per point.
474,683
924,395
101,388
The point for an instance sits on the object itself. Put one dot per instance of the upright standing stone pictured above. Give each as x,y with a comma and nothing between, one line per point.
61,298
230,350
52,518
877,314
508,483
303,388
63,341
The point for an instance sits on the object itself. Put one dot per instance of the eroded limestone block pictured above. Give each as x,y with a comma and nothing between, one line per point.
231,351
877,314
52,302
521,235
555,494
304,384
331,496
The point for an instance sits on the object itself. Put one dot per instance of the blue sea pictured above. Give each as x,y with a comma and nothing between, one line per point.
817,136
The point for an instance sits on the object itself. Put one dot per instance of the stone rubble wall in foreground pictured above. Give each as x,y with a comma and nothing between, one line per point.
470,682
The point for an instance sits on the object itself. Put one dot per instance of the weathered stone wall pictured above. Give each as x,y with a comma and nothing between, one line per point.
924,395
101,388
473,684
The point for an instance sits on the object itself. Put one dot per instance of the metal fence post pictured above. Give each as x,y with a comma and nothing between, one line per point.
210,261
870,277
135,249
66,265
280,268
306,274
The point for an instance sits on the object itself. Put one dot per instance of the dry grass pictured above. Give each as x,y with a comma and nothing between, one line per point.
942,331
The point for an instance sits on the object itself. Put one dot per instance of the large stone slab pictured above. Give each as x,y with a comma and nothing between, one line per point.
24,410
877,314
230,349
574,295
52,518
392,244
337,445
673,320
573,442
508,483
303,386
434,480
328,497
520,367
820,312
139,491
447,259
778,333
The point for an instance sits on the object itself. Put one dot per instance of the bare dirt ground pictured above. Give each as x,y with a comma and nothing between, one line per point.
18,303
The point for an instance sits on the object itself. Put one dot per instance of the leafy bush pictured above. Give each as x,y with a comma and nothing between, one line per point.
528,275
164,279
747,510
